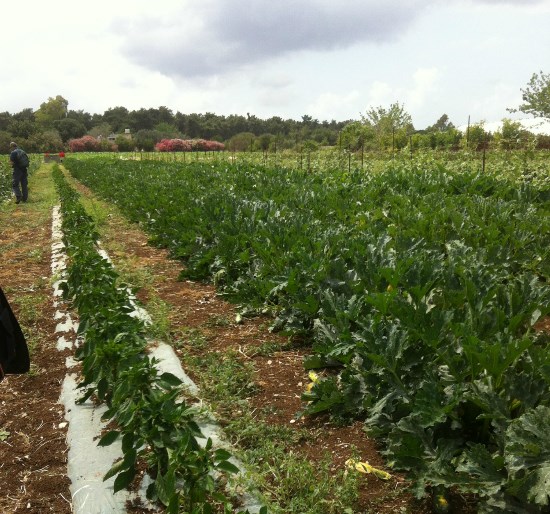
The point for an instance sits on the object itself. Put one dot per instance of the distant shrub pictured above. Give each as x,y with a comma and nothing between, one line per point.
188,145
85,144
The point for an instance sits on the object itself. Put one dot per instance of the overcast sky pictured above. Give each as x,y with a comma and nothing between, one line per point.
330,59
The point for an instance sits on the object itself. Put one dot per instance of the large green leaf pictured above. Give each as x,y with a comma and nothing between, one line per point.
109,438
124,479
484,473
527,455
165,486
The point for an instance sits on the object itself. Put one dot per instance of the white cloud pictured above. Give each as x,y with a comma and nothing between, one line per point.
501,94
340,106
413,92
424,84
381,93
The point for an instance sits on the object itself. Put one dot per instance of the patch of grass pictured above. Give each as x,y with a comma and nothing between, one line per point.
42,192
268,348
250,433
191,338
133,274
36,254
160,328
290,481
30,299
98,210
7,246
297,485
225,379
217,320
29,316
30,307
34,369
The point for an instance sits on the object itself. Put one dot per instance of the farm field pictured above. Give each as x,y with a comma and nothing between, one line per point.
414,293
191,316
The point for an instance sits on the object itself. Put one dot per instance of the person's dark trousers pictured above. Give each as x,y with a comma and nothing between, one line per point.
20,184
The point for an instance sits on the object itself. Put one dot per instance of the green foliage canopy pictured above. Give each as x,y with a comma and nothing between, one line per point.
536,96
52,110
391,125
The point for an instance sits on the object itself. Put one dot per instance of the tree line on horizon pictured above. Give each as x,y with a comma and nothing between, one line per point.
53,125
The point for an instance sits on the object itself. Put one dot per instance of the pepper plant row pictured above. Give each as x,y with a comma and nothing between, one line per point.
419,285
153,420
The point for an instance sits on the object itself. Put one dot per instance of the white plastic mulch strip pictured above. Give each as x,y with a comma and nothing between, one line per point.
87,462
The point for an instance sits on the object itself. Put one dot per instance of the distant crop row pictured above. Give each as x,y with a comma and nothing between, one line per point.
419,286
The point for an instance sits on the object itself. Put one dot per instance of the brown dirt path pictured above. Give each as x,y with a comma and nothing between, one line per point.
33,464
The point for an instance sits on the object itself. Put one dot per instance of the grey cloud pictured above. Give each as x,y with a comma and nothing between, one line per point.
218,35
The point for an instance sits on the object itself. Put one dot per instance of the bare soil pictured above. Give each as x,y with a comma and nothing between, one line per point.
33,463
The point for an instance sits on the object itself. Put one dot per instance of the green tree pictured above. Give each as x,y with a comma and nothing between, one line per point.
536,96
310,145
22,129
69,128
264,142
441,125
5,139
124,144
441,135
512,135
148,118
164,115
83,117
189,124
24,115
102,130
5,118
241,142
356,135
324,136
118,118
476,138
395,117
392,126
52,110
254,124
146,139
234,124
45,141
276,125
167,130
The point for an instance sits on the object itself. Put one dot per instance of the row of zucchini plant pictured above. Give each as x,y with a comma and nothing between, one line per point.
419,284
154,422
